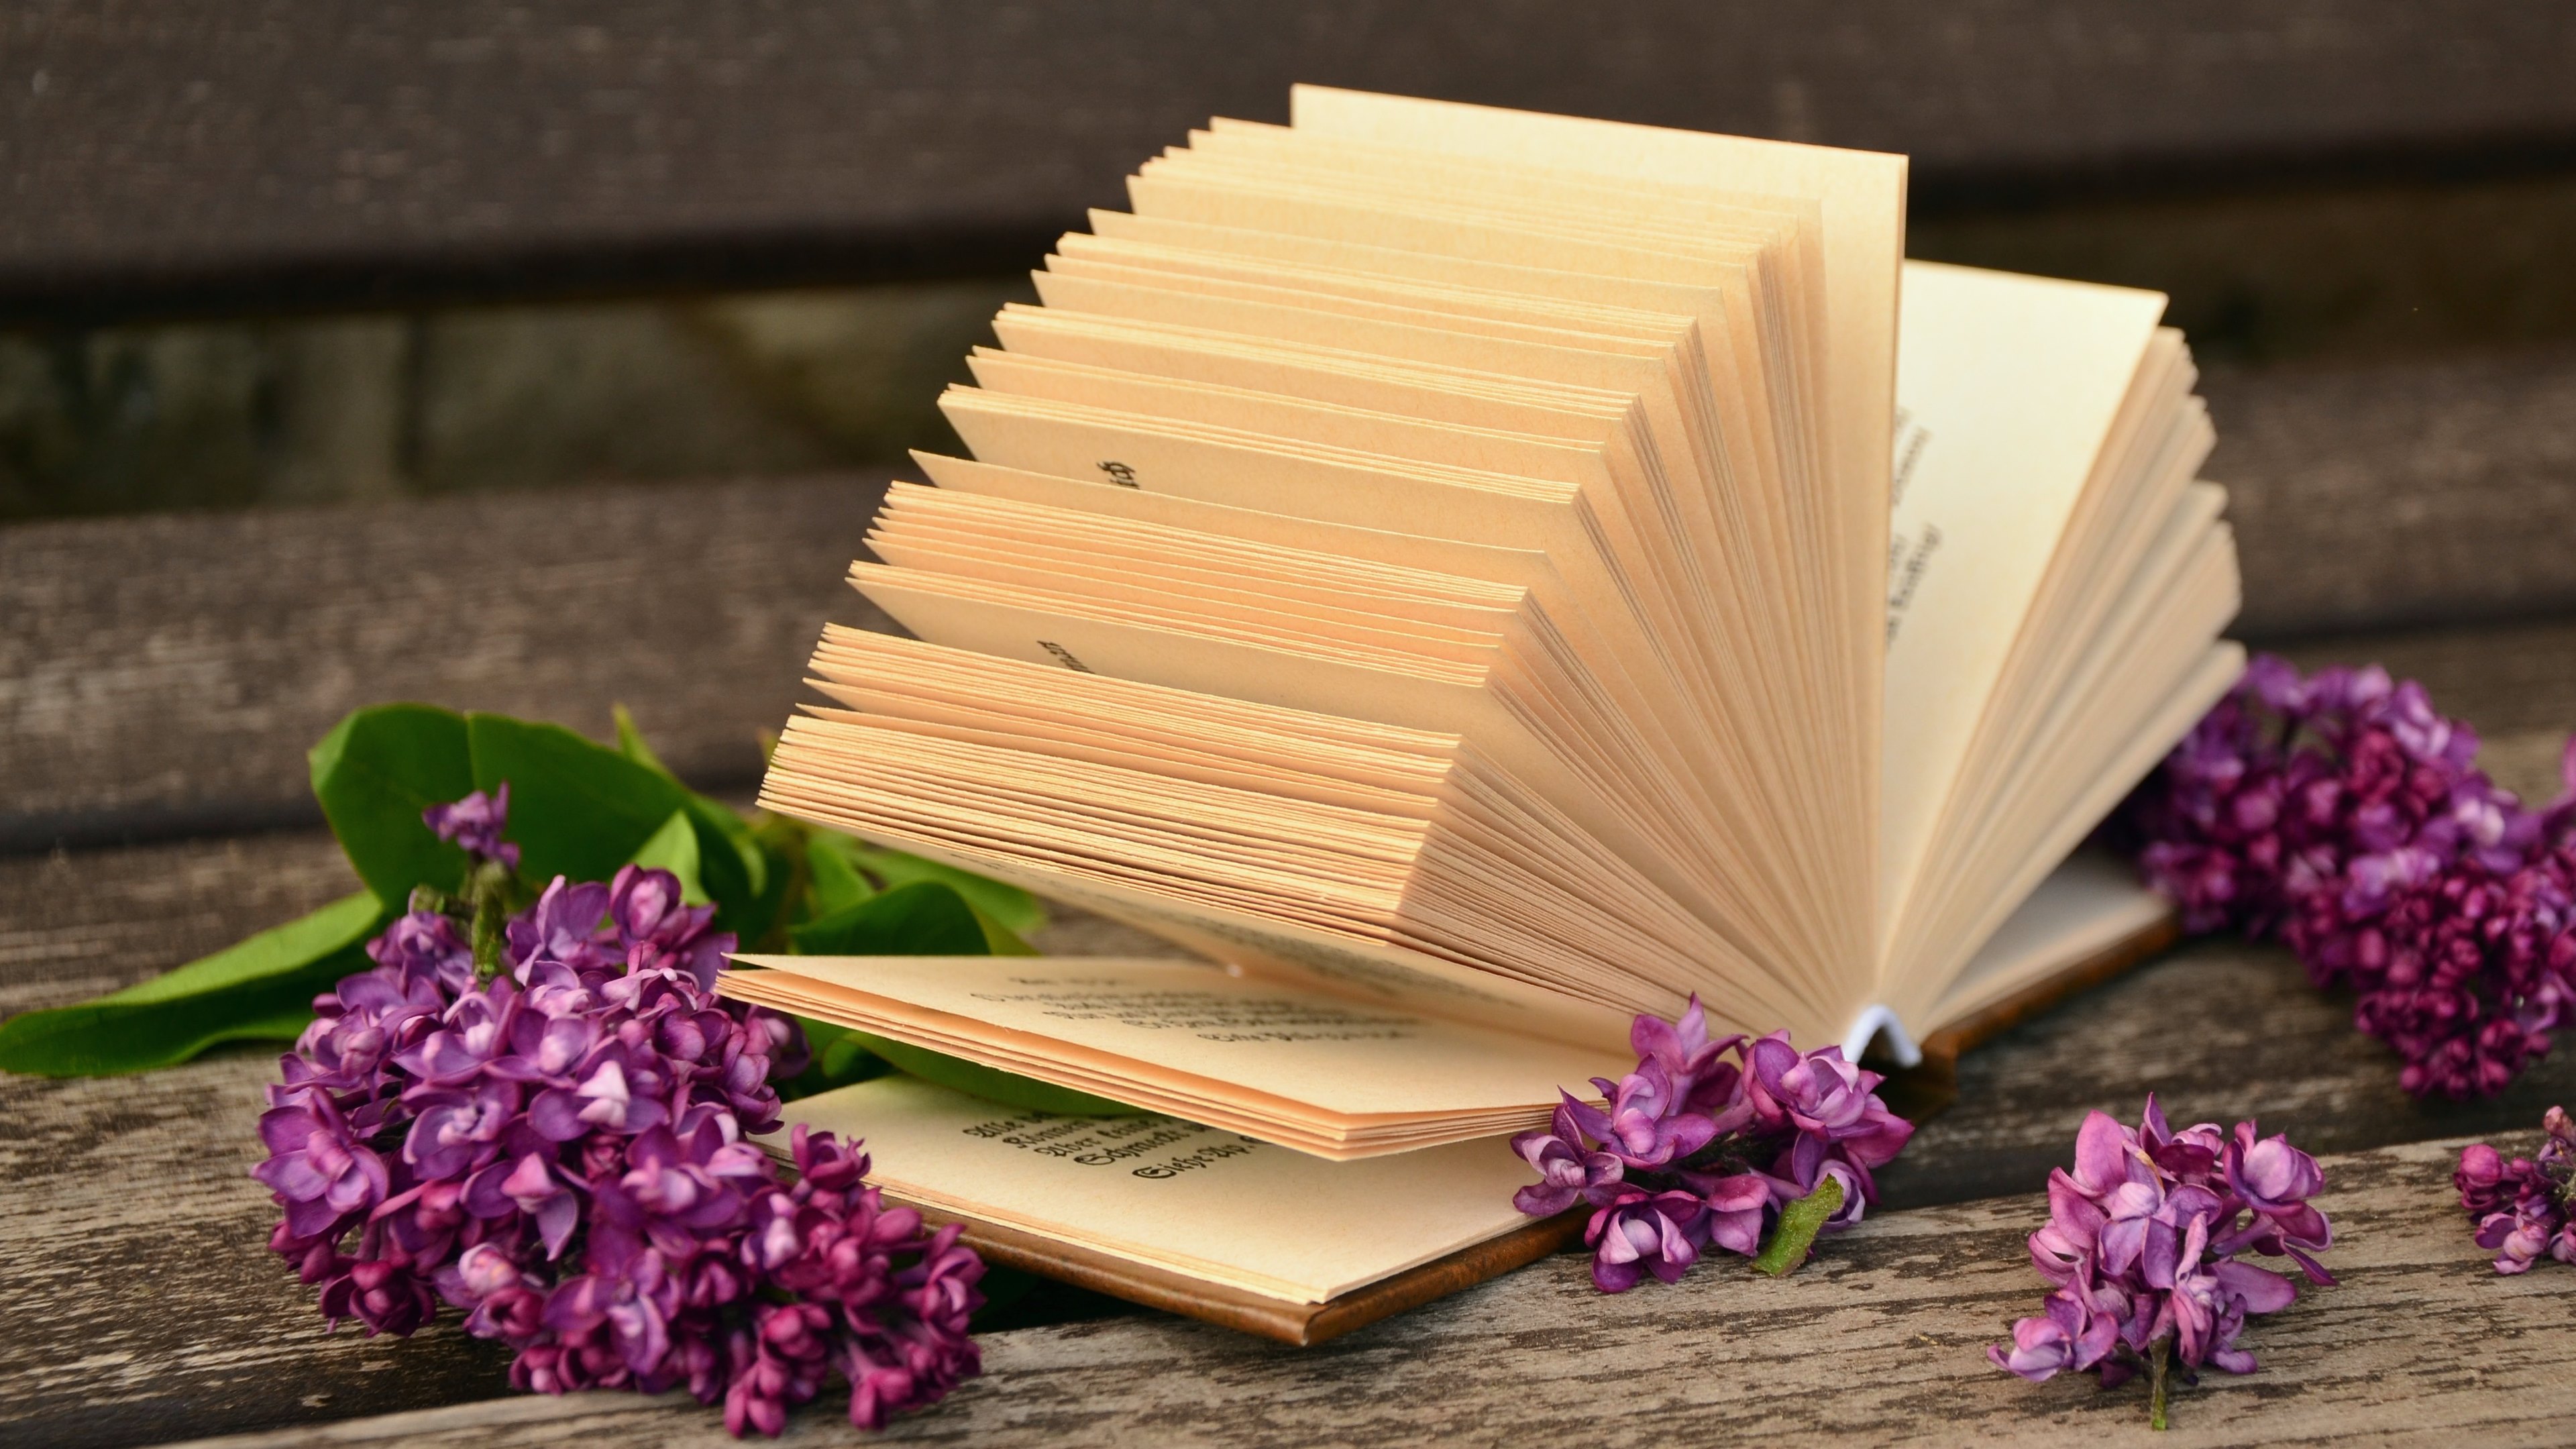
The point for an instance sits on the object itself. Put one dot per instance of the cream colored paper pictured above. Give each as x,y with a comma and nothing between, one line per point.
2009,385
1173,1195
1860,200
1193,1025
2086,906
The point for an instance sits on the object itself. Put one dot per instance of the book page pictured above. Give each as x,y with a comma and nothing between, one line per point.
2009,386
1174,1195
1186,1026
1525,568
1860,196
2122,741
1859,203
1334,962
2089,904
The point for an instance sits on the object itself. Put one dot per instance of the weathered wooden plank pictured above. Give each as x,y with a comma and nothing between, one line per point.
77,925
144,1303
2368,494
220,155
106,1183
165,674
2218,1029
2515,681
109,1348
1879,1340
2380,265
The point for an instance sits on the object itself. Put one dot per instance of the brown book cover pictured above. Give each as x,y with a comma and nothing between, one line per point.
1300,1324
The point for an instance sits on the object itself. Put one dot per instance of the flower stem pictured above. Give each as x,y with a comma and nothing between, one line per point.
487,888
2156,1357
1800,1221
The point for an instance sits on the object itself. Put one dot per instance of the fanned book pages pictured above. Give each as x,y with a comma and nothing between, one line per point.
1482,575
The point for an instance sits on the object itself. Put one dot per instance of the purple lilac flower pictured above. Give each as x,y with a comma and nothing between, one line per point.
559,1151
1706,1141
2142,1249
1639,1232
2525,1207
475,824
2341,813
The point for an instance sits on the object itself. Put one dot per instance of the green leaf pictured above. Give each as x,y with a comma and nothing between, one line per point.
347,921
577,808
848,1060
735,868
288,1022
999,939
978,1080
1799,1223
630,743
1014,908
784,893
929,918
374,774
258,989
838,1060
832,873
925,919
674,848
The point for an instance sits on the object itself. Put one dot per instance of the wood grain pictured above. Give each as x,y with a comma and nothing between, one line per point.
144,1302
1931,1085
151,1312
210,155
2515,680
2365,497
164,675
2218,1029
79,924
1879,1340
2400,491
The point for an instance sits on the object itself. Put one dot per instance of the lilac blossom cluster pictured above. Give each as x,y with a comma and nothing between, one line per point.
2525,1207
555,1145
1705,1141
2340,813
2142,1246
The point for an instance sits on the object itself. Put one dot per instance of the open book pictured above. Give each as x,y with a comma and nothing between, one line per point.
1482,575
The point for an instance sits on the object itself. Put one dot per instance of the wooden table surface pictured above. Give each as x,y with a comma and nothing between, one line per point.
159,679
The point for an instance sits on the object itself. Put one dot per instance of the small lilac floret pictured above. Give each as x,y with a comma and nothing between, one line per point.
2524,1207
2142,1241
1704,1143
1639,1232
475,823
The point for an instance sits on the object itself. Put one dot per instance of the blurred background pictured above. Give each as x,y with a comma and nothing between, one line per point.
292,253
364,350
